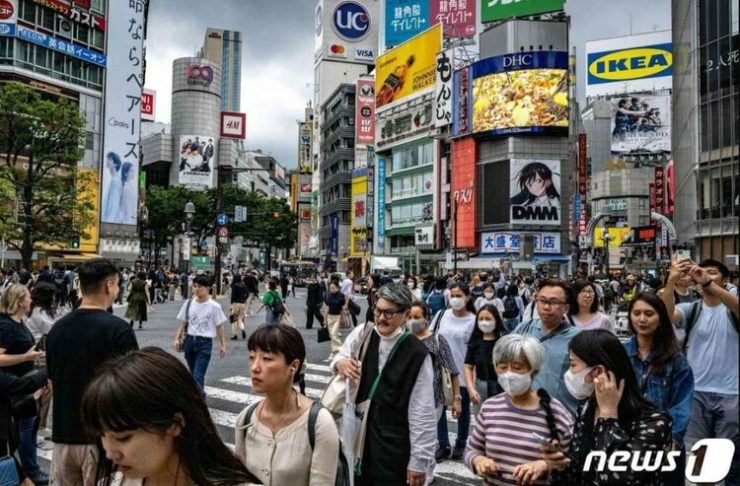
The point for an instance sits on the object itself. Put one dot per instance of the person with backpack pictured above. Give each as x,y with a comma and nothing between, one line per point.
273,301
286,438
336,303
513,308
711,346
436,300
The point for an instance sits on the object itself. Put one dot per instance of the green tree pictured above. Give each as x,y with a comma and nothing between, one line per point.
41,143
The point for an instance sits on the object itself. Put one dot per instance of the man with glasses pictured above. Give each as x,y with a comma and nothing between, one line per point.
554,331
402,400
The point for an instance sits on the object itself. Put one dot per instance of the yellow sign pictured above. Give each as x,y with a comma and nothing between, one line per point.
358,217
91,191
408,68
626,64
616,237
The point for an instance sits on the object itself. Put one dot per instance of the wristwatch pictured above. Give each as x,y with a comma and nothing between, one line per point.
458,397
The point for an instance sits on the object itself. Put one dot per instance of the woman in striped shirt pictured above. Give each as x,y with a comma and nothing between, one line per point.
504,446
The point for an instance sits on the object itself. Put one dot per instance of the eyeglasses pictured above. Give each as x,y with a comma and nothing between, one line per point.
587,292
386,313
550,303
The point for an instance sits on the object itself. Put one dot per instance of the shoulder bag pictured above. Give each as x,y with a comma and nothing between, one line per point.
9,469
447,391
181,346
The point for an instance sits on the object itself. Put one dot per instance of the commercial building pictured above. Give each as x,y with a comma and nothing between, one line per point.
706,104
224,47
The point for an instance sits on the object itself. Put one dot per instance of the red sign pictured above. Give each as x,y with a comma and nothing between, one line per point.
457,17
75,13
582,163
671,187
83,3
7,10
644,234
652,197
223,232
463,191
660,202
147,105
365,112
233,125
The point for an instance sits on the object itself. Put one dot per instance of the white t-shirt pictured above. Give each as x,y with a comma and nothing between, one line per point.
203,318
457,332
348,287
496,302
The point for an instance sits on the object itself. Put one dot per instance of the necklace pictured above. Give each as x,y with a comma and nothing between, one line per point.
284,415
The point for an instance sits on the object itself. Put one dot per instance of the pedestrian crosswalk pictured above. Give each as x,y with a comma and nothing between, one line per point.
227,397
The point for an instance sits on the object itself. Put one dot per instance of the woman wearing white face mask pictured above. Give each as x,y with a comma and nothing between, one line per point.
612,416
456,326
504,444
414,288
489,298
480,374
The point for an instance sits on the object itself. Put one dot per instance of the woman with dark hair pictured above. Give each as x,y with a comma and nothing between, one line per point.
112,199
536,187
480,374
489,298
44,307
272,436
270,300
613,415
584,308
372,290
239,294
513,307
663,372
139,300
503,446
456,326
148,431
413,286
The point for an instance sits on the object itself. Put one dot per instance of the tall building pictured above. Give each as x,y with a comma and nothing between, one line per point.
224,47
706,104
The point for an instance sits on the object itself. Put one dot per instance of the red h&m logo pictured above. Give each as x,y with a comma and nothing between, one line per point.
233,125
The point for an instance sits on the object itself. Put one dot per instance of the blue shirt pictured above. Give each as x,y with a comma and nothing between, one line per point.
671,391
557,359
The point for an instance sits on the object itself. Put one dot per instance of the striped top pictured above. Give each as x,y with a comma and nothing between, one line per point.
503,433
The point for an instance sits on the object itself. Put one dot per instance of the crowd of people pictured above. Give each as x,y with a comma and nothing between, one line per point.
533,371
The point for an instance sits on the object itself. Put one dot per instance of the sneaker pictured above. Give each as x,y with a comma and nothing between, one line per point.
234,338
244,335
458,452
40,479
442,454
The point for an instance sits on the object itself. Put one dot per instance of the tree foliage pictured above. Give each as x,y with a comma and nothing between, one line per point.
41,143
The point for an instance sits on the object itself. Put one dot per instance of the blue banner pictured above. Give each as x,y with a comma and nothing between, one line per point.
405,19
519,61
380,230
60,45
7,30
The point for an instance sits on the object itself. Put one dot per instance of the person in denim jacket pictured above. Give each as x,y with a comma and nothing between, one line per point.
662,371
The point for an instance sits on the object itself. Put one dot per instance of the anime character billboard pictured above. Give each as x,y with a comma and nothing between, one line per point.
534,192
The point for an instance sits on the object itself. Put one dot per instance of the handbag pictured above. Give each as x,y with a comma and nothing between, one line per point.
24,406
354,307
333,398
9,470
447,391
323,334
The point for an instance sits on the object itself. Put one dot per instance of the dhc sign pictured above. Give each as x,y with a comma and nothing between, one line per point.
629,64
351,21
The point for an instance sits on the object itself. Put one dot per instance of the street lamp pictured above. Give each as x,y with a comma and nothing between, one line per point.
606,238
189,214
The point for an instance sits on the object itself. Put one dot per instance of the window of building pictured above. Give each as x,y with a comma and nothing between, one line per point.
98,5
27,11
43,59
408,157
644,220
97,39
6,48
46,19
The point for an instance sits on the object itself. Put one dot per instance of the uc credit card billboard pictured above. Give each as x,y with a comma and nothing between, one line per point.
632,63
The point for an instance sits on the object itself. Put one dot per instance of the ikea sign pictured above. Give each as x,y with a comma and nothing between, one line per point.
634,63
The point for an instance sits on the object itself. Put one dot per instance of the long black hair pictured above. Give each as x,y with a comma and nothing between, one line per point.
44,296
470,306
477,334
528,173
665,344
578,286
152,390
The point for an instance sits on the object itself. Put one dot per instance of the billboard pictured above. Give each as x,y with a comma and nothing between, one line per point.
196,161
305,136
443,92
404,19
463,192
408,69
460,102
365,112
617,236
506,242
521,92
358,215
492,10
148,104
641,124
407,119
380,196
457,18
347,29
534,192
233,125
641,62
123,86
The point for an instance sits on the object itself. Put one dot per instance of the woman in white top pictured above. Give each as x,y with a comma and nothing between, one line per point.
44,308
413,286
152,433
584,308
489,298
272,437
456,325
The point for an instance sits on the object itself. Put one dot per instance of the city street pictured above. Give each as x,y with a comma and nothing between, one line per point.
228,383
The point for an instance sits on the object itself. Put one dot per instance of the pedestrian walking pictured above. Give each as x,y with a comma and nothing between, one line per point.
273,302
286,438
201,321
513,308
139,301
184,281
239,294
336,304
250,280
584,308
372,291
348,290
77,346
44,310
151,432
314,302
480,374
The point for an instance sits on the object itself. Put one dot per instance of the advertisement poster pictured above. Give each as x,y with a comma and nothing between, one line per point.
405,19
347,29
457,18
641,124
120,170
461,102
365,112
358,214
617,236
304,148
443,93
407,69
534,192
196,161
492,10
522,92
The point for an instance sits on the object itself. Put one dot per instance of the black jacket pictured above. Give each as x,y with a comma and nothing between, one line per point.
11,385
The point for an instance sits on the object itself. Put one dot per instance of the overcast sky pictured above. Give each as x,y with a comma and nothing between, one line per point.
278,44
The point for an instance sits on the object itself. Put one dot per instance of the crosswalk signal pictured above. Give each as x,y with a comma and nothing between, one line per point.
74,243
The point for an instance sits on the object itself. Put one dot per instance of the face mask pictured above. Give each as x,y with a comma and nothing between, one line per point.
399,330
488,295
486,326
514,384
416,325
457,303
576,384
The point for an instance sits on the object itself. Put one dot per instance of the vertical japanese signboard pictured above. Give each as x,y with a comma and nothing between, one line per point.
443,94
119,195
456,16
660,189
652,197
365,112
404,19
380,230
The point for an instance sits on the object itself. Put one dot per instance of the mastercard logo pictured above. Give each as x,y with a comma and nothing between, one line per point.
337,50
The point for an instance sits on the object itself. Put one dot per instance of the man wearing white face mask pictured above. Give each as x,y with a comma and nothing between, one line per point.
510,424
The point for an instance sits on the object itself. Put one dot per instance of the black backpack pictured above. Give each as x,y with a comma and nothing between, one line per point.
278,308
343,470
511,310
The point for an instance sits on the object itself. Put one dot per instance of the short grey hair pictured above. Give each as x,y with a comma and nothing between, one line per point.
396,293
515,347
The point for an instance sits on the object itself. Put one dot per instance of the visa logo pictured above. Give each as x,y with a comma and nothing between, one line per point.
628,64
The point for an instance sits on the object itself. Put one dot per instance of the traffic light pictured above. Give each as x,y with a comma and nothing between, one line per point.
74,243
